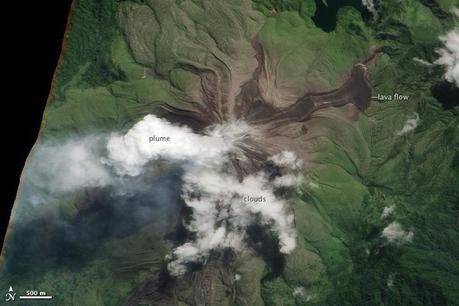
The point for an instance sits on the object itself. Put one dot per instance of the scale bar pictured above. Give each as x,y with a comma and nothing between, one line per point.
38,297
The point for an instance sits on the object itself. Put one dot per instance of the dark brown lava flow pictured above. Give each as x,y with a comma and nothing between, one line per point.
356,90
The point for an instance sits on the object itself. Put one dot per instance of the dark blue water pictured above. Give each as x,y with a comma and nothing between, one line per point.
446,93
325,15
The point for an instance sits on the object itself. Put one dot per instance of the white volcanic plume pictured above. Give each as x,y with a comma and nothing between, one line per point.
222,205
130,152
61,167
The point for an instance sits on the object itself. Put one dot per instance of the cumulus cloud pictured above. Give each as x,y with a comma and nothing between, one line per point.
313,185
410,124
422,62
390,280
449,55
287,159
288,180
387,211
298,291
223,205
394,233
455,11
370,5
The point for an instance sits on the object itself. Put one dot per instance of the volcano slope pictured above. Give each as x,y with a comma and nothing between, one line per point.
356,201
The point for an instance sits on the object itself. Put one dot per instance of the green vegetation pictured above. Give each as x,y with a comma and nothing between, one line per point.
364,167
303,58
119,266
124,59
92,28
100,86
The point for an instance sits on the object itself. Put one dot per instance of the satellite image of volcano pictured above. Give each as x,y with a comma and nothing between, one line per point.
244,153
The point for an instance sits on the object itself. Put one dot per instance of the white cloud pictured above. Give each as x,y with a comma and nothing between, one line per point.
370,5
390,280
313,185
287,159
222,213
455,11
394,233
288,180
387,211
297,291
449,55
422,62
410,124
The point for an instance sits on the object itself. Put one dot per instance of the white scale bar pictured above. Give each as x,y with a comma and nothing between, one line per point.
37,297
